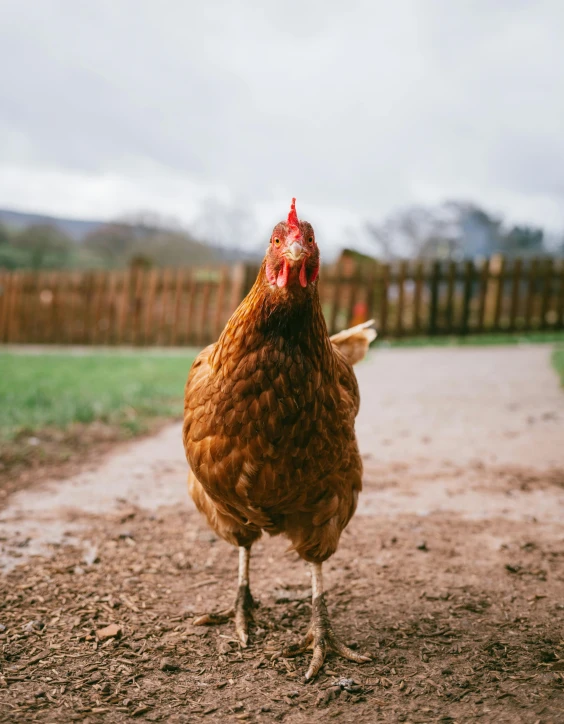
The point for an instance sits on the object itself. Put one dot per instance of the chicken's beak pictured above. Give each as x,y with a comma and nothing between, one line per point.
295,251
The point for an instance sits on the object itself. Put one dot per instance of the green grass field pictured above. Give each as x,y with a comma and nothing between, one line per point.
39,391
558,361
60,409
476,340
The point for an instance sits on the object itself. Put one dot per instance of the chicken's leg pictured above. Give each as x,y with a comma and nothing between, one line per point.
320,636
242,610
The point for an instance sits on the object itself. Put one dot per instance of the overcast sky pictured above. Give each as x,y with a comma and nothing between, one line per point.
357,107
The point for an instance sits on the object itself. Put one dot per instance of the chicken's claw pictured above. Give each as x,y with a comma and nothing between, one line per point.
242,612
321,638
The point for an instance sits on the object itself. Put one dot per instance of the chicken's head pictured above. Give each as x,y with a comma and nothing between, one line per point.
292,258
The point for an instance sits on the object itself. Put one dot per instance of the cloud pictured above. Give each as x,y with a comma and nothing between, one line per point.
355,108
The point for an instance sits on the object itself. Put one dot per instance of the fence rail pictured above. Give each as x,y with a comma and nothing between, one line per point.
190,306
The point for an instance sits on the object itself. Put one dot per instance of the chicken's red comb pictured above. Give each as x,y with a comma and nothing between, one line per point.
293,221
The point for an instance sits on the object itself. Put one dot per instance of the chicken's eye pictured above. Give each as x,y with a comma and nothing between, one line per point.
277,242
310,240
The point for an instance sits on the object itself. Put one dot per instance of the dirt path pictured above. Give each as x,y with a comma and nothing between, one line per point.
451,575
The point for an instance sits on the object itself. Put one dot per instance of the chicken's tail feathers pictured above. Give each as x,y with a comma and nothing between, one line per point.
353,343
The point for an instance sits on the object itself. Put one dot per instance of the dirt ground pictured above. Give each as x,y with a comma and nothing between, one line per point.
451,575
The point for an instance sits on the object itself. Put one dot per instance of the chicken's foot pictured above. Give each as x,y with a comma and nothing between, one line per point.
320,636
242,610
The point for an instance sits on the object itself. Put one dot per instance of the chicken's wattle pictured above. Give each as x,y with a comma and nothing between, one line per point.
303,275
282,278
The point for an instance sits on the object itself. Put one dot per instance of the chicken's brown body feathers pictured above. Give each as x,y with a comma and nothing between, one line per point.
269,425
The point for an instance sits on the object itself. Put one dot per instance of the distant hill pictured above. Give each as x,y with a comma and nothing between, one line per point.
77,229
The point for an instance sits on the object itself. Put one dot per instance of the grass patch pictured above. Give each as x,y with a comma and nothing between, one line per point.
39,391
558,362
476,340
57,408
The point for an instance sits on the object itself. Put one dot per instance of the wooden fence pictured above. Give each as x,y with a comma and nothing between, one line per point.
191,306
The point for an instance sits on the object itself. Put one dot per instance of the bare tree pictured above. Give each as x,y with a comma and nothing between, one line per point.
451,230
225,224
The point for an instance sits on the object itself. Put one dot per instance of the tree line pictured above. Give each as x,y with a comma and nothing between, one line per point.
144,239
453,230
456,230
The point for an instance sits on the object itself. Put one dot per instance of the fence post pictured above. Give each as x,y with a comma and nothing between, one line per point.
354,285
418,280
560,311
370,294
110,308
237,284
500,263
220,303
149,292
51,325
23,308
515,293
531,292
13,311
451,283
251,272
434,306
139,277
203,334
484,279
547,292
336,305
192,291
100,304
123,302
468,281
401,297
5,281
385,286
168,283
69,323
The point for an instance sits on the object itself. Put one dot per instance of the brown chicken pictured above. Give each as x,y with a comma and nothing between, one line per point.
269,428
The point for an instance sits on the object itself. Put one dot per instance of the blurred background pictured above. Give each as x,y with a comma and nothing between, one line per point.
180,131
147,149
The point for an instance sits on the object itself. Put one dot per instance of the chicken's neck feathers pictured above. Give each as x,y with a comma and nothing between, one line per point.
291,317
